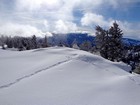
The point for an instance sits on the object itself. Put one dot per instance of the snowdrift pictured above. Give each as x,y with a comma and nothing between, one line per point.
64,76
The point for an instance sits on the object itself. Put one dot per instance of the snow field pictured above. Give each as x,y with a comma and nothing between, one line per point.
64,76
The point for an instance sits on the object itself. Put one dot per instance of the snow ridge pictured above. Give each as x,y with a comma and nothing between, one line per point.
38,71
64,76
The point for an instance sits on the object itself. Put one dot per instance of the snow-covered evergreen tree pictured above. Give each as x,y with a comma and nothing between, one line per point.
109,42
115,43
45,42
86,45
101,41
34,42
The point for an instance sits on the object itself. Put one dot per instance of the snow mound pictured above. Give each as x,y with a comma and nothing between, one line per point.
64,76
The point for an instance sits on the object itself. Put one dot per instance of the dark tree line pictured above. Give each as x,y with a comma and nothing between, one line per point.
110,45
132,57
23,43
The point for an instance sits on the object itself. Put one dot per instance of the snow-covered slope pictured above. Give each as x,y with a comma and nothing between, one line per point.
64,76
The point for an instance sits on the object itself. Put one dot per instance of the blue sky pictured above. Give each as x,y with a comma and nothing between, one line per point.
42,17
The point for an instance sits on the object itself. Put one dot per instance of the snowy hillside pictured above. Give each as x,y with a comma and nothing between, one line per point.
64,76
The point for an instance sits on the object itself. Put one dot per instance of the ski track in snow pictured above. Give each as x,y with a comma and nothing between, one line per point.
38,71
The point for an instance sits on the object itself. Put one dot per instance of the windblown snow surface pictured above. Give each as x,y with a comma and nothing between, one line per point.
64,76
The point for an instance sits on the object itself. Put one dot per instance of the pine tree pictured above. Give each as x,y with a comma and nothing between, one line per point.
115,43
45,42
101,41
34,42
86,45
9,42
20,45
109,42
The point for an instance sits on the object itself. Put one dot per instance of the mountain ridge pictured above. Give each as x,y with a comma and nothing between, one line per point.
81,37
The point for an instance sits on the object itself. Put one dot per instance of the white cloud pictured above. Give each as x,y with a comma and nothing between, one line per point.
130,30
48,34
38,4
64,27
46,24
13,29
56,9
90,19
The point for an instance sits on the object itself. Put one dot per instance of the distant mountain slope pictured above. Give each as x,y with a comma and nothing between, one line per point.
64,76
131,42
81,37
70,38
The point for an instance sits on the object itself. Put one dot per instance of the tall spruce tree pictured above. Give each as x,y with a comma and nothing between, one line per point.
86,45
115,43
45,42
101,41
109,42
34,42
